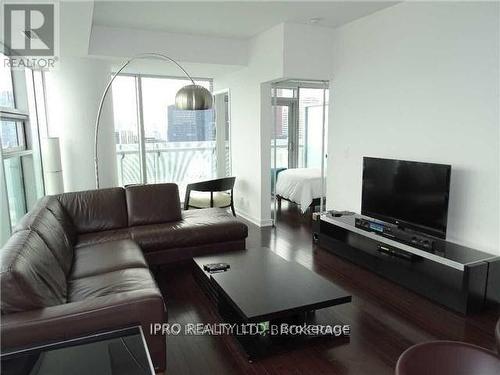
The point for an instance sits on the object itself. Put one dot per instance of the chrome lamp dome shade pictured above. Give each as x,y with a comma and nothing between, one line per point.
193,98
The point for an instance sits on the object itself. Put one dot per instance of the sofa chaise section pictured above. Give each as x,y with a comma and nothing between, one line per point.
166,234
200,232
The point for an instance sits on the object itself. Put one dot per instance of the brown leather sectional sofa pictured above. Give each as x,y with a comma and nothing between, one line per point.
77,263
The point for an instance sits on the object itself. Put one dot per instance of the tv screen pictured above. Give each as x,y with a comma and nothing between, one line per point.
407,193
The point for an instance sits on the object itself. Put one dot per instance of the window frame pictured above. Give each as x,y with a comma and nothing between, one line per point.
21,121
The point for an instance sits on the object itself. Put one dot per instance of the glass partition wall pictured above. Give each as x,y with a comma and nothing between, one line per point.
299,143
155,142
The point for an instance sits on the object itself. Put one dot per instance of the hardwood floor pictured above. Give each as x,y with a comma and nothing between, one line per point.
385,319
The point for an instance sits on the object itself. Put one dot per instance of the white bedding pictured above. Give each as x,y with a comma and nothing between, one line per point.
300,185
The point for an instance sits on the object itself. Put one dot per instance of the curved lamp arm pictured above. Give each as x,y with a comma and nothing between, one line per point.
101,103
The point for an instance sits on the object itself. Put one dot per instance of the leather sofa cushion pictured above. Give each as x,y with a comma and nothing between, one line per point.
46,225
30,276
152,204
54,206
104,236
107,257
120,281
39,206
96,210
197,227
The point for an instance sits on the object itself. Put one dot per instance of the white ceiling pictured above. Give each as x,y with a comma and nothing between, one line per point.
236,19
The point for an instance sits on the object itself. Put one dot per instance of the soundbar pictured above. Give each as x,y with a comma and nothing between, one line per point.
392,231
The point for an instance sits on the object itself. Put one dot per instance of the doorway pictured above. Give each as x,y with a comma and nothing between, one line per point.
298,144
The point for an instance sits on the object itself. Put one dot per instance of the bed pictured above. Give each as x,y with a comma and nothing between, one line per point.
300,185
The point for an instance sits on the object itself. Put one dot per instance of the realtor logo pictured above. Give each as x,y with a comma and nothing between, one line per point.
29,29
30,35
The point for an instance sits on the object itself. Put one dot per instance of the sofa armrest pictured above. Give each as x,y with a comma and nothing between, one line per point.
75,319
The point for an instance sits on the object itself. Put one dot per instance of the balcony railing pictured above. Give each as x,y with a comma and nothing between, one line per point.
182,165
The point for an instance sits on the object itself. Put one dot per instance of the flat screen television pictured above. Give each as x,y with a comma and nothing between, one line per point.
410,194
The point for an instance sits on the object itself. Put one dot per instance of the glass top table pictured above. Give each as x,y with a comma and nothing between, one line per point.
119,352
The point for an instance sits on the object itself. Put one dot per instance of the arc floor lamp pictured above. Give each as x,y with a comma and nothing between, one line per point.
192,97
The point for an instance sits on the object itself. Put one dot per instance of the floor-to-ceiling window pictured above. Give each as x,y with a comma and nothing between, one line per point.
285,111
298,136
310,126
156,142
22,181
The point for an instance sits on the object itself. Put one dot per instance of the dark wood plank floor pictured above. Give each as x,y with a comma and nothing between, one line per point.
385,319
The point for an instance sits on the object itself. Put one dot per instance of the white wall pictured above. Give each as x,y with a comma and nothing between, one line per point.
249,121
73,94
307,52
124,42
420,81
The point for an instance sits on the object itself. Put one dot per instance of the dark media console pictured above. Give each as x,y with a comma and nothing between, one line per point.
458,277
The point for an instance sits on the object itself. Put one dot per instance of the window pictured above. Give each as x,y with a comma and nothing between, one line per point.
310,126
180,145
299,127
15,188
156,142
19,136
12,135
284,112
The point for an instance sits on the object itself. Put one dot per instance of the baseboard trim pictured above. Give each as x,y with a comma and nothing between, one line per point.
253,220
266,223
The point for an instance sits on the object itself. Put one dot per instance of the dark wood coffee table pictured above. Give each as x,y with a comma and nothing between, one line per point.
260,286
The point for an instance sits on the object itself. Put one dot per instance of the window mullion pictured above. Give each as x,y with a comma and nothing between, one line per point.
13,114
140,124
